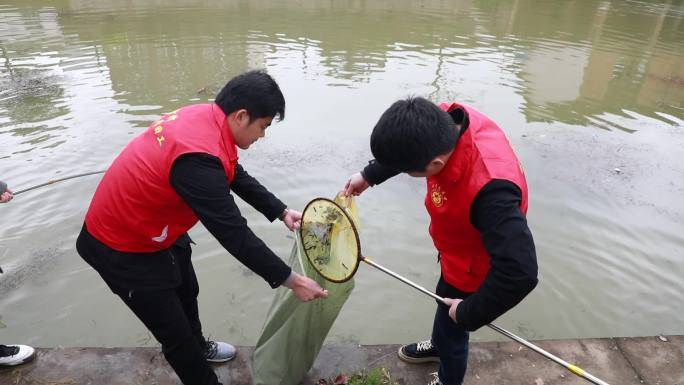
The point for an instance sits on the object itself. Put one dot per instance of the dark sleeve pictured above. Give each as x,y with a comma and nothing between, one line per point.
201,182
375,173
495,212
252,192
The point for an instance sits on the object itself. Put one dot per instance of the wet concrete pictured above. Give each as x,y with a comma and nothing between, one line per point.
625,361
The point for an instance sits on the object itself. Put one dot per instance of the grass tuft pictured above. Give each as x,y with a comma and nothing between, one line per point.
376,376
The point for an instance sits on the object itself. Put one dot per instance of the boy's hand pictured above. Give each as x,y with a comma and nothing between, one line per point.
453,304
355,185
6,196
304,288
291,218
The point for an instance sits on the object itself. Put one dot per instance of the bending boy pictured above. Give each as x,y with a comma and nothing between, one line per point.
180,170
477,200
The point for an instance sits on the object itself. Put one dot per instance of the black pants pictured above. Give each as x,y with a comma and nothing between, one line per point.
451,341
166,305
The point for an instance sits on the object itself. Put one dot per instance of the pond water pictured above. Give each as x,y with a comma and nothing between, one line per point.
590,93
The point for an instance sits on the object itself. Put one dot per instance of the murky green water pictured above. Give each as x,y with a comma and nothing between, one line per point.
591,93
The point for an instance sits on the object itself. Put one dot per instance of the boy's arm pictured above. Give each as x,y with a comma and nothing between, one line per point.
201,182
375,173
495,212
256,195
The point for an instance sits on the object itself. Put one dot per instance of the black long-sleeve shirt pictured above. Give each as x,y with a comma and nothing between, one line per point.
201,182
495,213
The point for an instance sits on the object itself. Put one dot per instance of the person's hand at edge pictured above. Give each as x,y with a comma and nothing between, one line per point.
355,185
6,196
304,288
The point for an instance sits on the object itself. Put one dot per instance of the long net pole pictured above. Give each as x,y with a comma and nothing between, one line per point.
51,181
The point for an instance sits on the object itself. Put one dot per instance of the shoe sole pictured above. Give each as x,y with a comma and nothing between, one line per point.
413,360
25,360
221,361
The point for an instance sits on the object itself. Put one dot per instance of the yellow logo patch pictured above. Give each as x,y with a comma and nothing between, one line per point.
437,195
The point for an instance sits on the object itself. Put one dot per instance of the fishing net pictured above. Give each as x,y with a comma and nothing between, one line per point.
294,332
329,238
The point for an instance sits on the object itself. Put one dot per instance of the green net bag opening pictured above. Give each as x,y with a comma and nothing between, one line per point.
294,332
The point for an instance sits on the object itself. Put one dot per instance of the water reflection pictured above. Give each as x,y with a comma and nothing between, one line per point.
626,60
570,60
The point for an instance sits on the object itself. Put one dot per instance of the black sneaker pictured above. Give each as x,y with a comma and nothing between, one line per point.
419,352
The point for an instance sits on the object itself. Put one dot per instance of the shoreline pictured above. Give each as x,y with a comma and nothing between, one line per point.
657,360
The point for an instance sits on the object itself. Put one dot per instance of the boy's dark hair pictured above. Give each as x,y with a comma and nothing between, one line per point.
256,92
411,133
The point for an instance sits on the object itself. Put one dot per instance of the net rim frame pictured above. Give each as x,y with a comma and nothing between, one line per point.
359,257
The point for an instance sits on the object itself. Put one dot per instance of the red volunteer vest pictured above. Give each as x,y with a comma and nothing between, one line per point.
482,153
135,209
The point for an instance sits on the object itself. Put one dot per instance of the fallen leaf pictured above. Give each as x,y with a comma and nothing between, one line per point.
662,338
539,381
341,380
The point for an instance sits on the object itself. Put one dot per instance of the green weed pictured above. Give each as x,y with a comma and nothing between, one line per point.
376,376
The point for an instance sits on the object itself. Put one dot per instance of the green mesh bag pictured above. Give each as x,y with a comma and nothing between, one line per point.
294,332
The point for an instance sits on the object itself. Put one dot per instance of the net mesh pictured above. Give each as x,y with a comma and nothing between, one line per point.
328,238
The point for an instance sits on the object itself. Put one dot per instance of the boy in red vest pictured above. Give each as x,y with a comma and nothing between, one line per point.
180,170
477,200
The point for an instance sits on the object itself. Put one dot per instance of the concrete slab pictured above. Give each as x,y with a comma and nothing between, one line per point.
333,360
657,362
505,363
619,361
501,363
92,366
113,366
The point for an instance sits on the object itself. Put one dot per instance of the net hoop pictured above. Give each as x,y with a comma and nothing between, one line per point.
356,237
